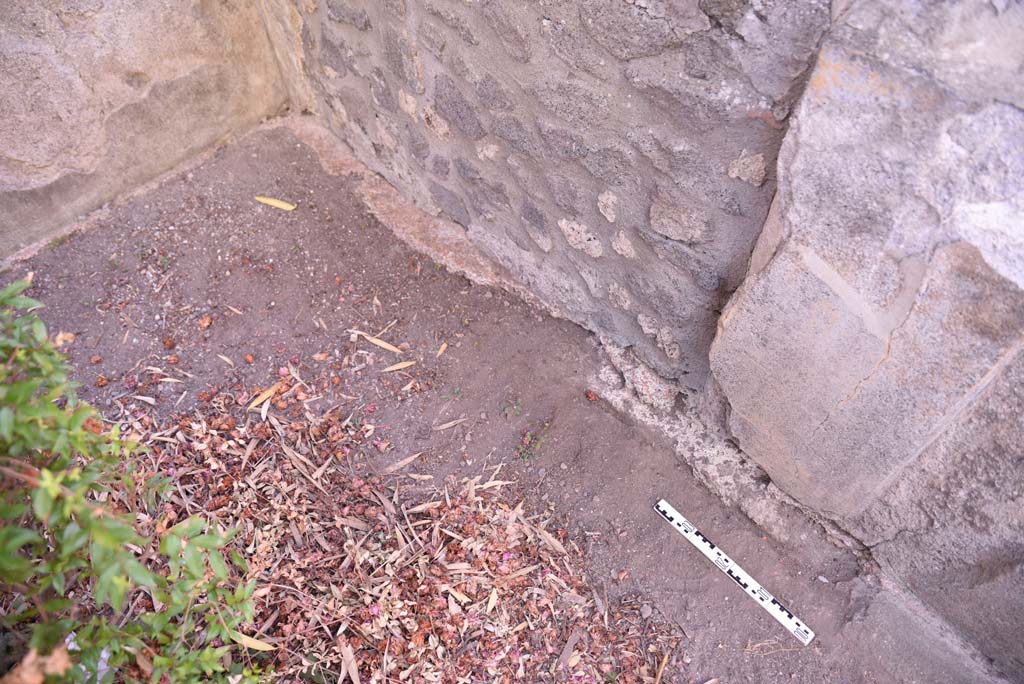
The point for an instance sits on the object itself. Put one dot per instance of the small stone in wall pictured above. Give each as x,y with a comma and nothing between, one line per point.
403,60
560,143
593,281
676,222
622,245
435,123
749,168
450,203
440,166
384,135
649,324
342,13
608,205
455,22
618,296
541,239
485,151
456,108
532,215
407,103
667,343
339,116
579,237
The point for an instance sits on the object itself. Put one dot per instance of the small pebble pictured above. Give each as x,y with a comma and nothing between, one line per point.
823,579
645,611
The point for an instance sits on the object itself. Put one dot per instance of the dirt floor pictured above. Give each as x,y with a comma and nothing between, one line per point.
194,293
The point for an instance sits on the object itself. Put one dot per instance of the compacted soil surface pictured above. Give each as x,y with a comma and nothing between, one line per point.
194,300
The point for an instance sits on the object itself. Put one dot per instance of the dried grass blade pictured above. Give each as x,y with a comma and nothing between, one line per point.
376,341
350,661
450,424
276,203
264,395
550,540
394,467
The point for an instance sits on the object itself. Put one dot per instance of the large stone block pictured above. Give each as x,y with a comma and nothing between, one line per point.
98,101
453,104
872,358
952,526
831,403
896,287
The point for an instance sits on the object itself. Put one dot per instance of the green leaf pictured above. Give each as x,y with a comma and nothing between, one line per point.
46,635
239,561
42,503
189,528
170,545
73,538
7,423
57,605
207,541
194,561
119,586
13,538
217,564
138,573
10,292
57,582
12,511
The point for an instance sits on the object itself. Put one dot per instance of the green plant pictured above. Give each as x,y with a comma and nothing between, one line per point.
85,594
531,440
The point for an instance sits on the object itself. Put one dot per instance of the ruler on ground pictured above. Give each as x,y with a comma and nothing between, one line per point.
738,575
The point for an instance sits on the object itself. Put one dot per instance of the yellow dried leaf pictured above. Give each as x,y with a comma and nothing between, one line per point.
459,596
264,395
249,642
377,341
276,203
226,360
398,366
492,600
444,347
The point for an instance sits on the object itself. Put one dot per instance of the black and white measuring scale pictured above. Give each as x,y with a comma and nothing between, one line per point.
740,576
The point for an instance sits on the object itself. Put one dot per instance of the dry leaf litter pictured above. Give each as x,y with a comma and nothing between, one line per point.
362,578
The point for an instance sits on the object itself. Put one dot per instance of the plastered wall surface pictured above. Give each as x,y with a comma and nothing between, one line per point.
100,97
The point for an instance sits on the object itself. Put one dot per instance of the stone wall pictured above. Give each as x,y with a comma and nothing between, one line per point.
101,97
617,158
872,359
